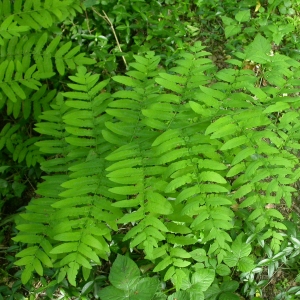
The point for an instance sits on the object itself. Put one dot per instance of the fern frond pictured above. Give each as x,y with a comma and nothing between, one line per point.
39,214
9,28
83,198
38,14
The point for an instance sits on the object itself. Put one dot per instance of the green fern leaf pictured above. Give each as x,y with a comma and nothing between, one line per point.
158,204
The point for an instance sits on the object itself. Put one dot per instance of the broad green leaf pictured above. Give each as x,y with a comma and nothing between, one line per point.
181,295
230,296
222,270
124,273
229,286
112,293
155,222
211,164
204,277
145,289
231,260
240,248
259,50
246,264
195,292
243,15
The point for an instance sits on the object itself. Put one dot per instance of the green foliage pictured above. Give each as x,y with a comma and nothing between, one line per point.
127,282
183,167
173,175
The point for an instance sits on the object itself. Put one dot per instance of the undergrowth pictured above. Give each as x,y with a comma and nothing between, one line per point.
175,177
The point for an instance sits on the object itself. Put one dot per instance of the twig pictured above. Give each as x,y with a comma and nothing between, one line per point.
108,21
87,22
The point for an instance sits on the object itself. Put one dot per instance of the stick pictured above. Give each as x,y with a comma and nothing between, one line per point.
107,20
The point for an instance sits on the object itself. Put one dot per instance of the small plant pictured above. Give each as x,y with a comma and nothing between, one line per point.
127,282
141,145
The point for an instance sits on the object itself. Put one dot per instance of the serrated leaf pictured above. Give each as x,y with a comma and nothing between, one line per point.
235,142
158,204
65,248
169,85
259,50
179,252
230,296
236,170
112,293
223,270
242,155
278,106
145,289
218,124
68,236
26,274
211,176
72,272
126,81
204,277
163,264
229,286
246,264
243,15
232,30
124,273
199,109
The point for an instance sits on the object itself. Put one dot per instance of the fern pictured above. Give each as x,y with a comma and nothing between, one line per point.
37,14
37,224
82,199
27,59
182,158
